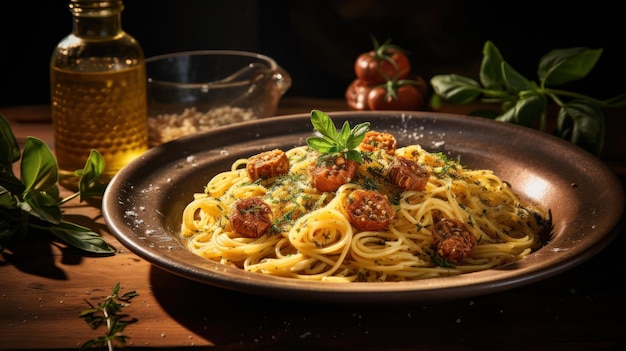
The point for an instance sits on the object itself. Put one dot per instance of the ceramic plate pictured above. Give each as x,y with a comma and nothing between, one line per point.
143,204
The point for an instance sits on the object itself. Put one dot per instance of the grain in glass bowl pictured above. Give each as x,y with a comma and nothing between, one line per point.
195,91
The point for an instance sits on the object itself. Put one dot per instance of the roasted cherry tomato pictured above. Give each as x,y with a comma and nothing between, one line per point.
406,174
386,61
267,164
452,239
251,217
369,210
331,173
396,95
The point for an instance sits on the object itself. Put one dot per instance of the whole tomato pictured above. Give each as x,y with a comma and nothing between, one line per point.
386,61
396,95
356,95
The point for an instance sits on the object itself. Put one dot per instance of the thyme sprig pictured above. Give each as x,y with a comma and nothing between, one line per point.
332,141
108,312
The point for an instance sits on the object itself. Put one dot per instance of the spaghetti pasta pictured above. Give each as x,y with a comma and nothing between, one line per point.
311,236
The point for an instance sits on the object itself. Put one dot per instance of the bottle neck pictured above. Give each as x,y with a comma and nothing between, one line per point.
96,18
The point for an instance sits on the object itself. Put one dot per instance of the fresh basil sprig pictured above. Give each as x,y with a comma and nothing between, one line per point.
332,141
580,119
33,201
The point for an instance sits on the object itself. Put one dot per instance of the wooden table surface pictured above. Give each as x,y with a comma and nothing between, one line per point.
44,286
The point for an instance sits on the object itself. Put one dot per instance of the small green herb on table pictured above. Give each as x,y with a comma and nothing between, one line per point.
109,313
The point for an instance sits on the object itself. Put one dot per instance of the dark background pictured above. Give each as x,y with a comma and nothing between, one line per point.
316,41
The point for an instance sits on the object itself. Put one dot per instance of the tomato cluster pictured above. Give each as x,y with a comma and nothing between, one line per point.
382,81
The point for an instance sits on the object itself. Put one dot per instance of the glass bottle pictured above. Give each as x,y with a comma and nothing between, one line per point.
98,91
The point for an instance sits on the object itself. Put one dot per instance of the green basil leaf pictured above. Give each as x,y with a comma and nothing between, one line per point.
562,66
357,135
88,184
530,108
320,144
583,124
42,205
81,237
455,88
509,103
360,130
324,125
508,116
345,133
54,193
9,148
353,143
526,111
39,167
513,80
354,155
490,68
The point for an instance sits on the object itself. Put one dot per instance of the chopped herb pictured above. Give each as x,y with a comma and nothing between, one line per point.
439,261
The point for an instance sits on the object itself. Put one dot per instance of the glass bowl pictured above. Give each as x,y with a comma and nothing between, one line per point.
196,91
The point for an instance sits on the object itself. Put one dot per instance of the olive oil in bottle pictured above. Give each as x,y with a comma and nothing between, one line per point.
98,91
